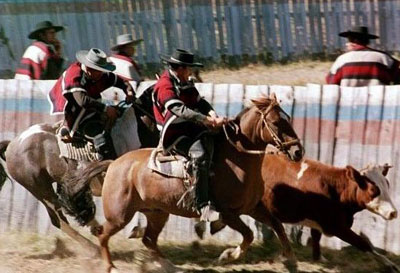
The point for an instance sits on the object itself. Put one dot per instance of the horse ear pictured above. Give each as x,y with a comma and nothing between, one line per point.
272,96
355,175
386,168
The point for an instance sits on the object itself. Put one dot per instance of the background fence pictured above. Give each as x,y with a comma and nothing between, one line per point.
344,126
214,29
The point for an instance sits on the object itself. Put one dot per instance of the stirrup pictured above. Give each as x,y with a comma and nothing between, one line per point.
208,213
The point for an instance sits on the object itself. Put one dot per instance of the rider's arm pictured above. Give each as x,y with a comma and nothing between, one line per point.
180,110
83,100
204,106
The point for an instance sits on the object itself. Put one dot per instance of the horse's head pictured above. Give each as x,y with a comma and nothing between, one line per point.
266,123
374,190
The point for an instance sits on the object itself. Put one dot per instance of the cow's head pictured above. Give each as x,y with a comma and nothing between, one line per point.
373,191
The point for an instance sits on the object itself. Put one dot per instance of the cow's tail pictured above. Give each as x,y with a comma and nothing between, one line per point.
3,168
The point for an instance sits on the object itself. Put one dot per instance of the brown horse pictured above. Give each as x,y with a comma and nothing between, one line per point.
130,186
33,160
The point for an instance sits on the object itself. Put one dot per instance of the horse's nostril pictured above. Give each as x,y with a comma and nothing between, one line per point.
298,154
393,215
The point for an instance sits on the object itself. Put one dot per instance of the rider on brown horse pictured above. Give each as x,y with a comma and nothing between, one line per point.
77,93
183,118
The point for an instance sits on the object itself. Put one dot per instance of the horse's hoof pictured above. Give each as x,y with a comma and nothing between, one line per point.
96,230
113,270
291,265
200,229
290,262
230,254
137,232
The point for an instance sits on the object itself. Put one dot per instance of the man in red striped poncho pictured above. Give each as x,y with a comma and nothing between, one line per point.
43,59
362,65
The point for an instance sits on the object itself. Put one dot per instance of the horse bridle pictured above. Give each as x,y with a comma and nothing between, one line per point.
279,144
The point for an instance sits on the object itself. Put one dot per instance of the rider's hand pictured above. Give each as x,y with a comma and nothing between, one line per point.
219,121
130,94
214,122
209,121
212,113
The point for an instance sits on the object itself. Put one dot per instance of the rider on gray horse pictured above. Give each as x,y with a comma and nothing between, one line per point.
183,118
77,94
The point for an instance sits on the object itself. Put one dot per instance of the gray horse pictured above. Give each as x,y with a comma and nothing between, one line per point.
33,160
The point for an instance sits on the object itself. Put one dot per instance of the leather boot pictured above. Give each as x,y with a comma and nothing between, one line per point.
207,210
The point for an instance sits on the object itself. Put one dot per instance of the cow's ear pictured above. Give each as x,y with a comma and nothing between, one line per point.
355,175
386,168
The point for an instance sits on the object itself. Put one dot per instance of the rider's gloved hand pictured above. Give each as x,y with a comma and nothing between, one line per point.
214,122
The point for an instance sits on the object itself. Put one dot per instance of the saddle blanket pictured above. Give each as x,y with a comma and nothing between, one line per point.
124,135
171,165
79,151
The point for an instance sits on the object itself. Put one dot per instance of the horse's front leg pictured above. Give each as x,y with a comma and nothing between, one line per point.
234,222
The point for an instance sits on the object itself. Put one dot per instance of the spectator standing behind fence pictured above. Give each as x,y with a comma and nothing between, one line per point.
362,65
43,59
124,50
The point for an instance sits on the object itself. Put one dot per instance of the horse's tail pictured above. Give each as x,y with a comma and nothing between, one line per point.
80,179
3,169
75,195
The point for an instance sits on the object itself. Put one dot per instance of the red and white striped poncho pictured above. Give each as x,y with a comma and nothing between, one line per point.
364,66
39,62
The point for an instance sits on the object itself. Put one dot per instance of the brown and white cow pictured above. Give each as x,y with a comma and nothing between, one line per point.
324,198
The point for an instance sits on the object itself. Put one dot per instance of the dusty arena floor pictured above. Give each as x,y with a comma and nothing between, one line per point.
30,253
297,73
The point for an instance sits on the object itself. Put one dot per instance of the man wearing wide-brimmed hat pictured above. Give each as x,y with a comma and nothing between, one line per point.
184,118
77,92
362,65
43,59
122,57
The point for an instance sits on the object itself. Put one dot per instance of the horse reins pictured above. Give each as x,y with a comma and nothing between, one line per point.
282,146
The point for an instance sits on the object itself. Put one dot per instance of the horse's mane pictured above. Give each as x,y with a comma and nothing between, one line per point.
261,103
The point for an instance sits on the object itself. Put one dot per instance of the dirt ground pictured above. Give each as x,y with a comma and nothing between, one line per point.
297,73
31,253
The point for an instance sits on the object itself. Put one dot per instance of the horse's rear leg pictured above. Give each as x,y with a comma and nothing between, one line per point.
155,223
53,207
234,222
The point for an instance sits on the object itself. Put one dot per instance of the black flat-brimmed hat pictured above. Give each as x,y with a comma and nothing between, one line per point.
181,57
41,26
125,39
95,58
358,32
